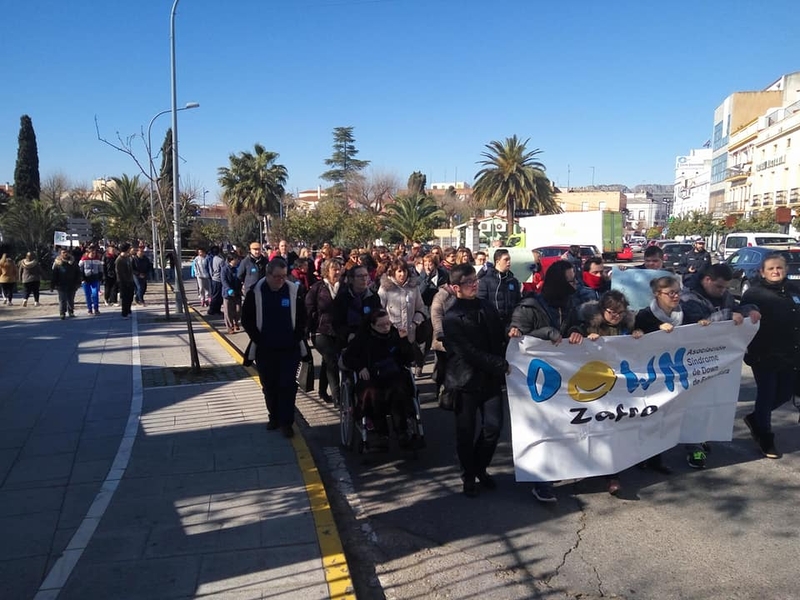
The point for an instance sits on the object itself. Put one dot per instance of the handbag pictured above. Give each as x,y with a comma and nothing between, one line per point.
305,370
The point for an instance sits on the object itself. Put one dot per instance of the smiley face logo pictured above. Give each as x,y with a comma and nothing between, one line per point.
592,381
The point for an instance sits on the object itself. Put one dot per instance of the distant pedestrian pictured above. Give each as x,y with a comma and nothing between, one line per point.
275,321
66,279
696,260
141,266
30,274
215,264
91,270
8,278
124,271
252,267
111,291
232,294
202,275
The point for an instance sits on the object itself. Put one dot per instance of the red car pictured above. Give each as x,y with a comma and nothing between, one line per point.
550,254
626,254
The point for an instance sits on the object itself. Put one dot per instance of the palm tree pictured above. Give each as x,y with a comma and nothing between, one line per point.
412,217
127,208
32,225
253,182
512,177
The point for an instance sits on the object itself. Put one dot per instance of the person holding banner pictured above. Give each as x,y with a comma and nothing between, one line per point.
475,339
547,317
705,298
663,314
608,316
774,353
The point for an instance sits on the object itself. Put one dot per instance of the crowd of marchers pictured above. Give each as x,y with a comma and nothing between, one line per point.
379,312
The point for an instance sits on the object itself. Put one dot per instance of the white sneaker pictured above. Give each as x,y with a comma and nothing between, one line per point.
36,304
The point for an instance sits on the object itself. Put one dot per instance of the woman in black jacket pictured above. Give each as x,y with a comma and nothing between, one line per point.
547,316
319,308
380,355
774,353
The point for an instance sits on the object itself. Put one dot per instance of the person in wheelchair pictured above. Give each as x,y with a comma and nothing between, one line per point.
380,355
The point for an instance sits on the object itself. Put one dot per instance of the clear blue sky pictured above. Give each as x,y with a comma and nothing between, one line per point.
622,86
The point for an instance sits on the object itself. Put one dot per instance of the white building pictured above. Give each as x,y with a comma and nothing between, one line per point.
644,211
763,160
692,182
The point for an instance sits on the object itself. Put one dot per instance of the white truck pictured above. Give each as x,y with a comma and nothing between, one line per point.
600,228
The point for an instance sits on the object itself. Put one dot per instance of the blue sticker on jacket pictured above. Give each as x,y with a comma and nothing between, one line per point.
511,288
284,302
796,299
253,269
366,310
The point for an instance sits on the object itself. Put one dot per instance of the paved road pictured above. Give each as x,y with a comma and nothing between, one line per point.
123,475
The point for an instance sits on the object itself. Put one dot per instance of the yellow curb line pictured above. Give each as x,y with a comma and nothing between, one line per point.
334,562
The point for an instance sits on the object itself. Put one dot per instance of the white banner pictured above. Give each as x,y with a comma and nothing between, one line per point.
60,238
597,408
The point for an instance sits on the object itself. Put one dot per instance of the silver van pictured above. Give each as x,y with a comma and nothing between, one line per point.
735,241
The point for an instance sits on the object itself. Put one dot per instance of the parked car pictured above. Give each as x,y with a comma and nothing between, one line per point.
735,241
746,264
674,251
550,254
662,243
626,254
638,244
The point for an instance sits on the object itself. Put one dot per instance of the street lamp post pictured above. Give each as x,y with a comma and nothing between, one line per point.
154,229
180,297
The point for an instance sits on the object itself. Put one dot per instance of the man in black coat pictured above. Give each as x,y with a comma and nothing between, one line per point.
694,261
499,287
251,269
476,370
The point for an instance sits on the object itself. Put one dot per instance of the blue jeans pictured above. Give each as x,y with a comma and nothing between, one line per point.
141,287
91,290
773,388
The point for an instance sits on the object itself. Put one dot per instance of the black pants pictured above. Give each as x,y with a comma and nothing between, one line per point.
215,306
392,396
32,289
112,290
479,420
329,369
277,370
126,290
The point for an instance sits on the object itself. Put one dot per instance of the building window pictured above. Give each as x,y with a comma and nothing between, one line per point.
641,215
788,142
602,205
584,206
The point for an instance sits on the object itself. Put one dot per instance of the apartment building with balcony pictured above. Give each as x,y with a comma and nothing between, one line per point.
753,164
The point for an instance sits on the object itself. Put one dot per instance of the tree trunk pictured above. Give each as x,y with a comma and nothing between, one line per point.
509,215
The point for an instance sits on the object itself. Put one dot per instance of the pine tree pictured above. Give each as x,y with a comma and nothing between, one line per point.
165,174
343,160
26,173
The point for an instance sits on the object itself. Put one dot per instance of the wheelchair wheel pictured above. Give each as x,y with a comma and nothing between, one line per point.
346,416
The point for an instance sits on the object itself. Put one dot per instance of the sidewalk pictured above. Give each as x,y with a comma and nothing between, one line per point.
123,475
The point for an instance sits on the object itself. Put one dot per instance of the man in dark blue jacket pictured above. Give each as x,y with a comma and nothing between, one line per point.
275,320
476,368
499,287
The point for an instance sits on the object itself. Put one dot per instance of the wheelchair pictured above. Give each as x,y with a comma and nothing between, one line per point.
356,435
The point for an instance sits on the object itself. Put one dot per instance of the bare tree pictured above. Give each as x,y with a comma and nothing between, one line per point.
373,189
54,189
